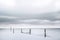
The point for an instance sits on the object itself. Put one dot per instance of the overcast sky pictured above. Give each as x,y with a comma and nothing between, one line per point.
30,11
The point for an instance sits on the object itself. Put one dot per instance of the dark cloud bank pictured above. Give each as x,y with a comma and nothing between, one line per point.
37,19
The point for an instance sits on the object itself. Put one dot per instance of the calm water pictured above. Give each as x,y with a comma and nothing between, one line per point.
36,34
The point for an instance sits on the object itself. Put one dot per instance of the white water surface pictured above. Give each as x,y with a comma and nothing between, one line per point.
36,34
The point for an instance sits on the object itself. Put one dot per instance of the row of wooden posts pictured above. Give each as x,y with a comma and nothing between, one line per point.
30,31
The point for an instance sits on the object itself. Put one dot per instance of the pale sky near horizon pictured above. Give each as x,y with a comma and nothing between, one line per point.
30,11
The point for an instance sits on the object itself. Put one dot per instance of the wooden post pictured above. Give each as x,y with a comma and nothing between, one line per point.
13,30
21,30
30,31
44,32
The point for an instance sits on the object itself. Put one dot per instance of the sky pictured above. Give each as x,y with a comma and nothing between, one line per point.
35,12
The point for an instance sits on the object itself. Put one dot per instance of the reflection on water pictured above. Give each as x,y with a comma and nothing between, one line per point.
23,34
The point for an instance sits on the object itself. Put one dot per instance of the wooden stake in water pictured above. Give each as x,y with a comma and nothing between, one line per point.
13,30
44,32
21,30
29,31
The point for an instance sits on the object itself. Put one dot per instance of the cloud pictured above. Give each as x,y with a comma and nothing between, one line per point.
39,22
30,11
47,18
29,6
7,19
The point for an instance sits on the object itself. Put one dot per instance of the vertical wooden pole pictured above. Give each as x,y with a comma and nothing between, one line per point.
13,30
44,32
30,31
21,30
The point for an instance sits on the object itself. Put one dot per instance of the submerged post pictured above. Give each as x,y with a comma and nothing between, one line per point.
30,31
13,30
21,30
45,32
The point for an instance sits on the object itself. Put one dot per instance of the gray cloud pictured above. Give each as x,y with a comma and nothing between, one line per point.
48,18
30,12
